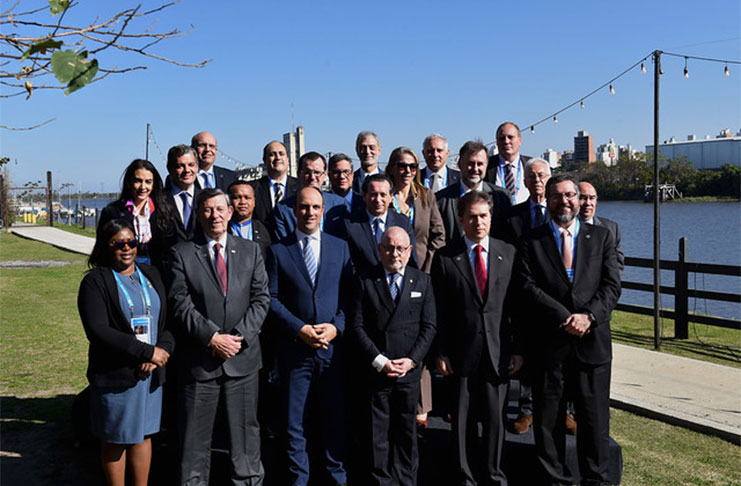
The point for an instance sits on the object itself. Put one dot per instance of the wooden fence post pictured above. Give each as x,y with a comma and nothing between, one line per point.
681,297
84,218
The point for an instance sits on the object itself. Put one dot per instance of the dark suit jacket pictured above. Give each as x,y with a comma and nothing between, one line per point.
551,297
260,235
200,308
362,242
335,211
454,176
114,353
447,202
295,302
615,230
515,223
181,233
429,233
471,328
224,177
264,203
404,329
493,168
356,185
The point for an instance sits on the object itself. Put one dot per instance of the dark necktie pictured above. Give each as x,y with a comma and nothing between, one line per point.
479,267
187,210
539,219
509,179
220,266
278,193
377,233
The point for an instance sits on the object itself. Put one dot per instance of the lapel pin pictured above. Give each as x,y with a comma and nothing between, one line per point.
499,257
234,251
411,280
587,236
457,258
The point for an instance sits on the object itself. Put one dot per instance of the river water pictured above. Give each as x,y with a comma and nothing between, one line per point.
713,231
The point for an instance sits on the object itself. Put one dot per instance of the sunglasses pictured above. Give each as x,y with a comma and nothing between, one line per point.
121,244
403,166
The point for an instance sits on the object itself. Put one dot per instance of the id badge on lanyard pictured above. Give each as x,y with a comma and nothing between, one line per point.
140,325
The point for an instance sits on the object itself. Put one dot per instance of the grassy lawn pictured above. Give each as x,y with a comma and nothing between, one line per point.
708,343
44,356
77,229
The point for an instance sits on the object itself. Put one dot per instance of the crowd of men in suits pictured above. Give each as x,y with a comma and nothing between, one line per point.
322,292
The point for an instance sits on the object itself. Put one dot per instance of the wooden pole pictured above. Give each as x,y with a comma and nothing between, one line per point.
681,294
49,200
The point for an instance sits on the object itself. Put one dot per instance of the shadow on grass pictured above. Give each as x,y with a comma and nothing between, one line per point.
39,445
684,347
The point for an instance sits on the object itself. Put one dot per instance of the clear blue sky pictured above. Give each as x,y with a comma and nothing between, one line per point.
403,69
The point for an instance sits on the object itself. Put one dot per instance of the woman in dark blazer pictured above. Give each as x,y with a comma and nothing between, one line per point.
414,200
122,306
143,202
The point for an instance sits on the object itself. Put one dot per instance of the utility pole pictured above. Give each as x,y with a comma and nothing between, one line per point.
657,210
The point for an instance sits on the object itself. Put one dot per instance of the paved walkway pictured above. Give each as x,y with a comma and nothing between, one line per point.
56,237
688,392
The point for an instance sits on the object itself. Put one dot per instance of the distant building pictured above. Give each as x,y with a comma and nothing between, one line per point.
708,153
583,147
608,153
251,173
567,158
552,157
626,151
295,146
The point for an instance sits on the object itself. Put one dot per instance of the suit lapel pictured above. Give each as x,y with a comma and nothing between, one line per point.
233,262
583,246
382,289
554,255
463,263
294,249
203,256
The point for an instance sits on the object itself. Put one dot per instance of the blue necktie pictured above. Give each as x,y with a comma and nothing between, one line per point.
377,233
187,210
394,286
310,260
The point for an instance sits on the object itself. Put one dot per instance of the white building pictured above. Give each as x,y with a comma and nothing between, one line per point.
608,153
709,153
552,157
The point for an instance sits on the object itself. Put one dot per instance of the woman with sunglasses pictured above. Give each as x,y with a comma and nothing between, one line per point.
144,203
418,203
122,306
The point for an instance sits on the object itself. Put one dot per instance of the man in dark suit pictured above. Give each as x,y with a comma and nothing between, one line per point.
218,293
436,175
310,274
181,189
273,187
368,148
571,283
393,324
243,224
587,209
364,227
472,165
210,175
475,342
312,171
507,168
341,179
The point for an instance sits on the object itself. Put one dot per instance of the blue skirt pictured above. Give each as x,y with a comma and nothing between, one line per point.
125,415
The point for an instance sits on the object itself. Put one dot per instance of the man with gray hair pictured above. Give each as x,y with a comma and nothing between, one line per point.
507,169
368,149
436,175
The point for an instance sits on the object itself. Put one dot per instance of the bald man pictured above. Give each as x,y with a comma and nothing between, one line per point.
587,213
210,175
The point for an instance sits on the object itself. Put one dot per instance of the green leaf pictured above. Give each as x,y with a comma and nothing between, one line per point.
73,68
58,6
41,47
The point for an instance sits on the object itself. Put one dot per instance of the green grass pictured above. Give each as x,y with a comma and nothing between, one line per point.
77,229
708,343
657,454
15,248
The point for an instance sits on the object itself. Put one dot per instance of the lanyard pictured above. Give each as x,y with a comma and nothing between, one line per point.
517,183
398,209
238,229
130,302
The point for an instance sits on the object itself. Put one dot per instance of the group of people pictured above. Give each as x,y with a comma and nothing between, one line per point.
345,301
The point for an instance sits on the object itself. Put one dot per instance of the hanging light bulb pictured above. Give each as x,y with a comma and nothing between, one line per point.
555,119
726,73
532,128
581,105
686,71
643,68
612,90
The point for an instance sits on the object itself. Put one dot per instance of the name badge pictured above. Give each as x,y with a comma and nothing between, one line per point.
140,325
415,295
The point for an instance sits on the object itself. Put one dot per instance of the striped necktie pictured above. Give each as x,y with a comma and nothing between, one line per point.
310,260
509,179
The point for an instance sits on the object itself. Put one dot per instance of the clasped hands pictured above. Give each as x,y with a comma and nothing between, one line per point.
397,368
318,335
159,359
577,324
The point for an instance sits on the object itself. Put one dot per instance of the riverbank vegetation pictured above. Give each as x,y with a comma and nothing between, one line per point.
627,179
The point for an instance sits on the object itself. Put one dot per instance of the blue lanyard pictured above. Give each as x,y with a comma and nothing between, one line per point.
517,181
398,209
238,229
130,302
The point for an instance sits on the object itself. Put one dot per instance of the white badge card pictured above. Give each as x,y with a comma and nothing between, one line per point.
140,325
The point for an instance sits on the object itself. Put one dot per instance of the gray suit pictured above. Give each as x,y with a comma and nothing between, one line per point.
447,202
200,309
615,230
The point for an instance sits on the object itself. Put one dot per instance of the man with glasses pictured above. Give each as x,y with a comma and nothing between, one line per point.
210,175
392,325
436,175
571,283
312,171
341,180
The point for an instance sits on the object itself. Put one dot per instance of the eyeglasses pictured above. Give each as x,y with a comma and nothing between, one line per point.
411,167
341,173
390,249
535,176
313,173
121,244
568,195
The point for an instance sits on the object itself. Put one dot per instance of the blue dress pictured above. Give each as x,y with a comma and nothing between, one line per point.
125,415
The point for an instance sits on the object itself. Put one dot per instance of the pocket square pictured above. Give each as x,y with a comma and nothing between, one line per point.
415,295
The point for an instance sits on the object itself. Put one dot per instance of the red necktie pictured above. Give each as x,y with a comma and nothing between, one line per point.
220,266
479,268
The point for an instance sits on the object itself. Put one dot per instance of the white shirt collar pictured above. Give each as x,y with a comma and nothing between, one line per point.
300,235
221,241
470,244
382,217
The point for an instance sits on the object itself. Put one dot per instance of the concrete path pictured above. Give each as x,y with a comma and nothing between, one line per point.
56,237
695,394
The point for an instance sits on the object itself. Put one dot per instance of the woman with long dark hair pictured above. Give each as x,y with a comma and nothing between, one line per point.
143,202
122,306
